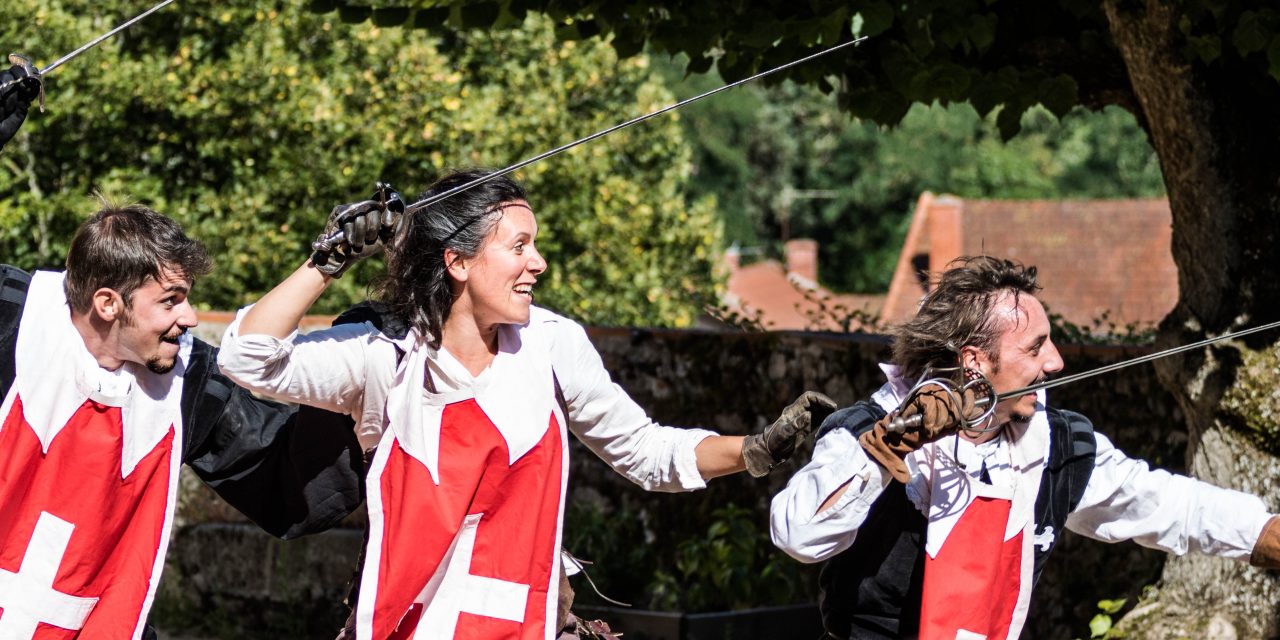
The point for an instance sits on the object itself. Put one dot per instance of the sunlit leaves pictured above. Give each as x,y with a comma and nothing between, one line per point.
249,124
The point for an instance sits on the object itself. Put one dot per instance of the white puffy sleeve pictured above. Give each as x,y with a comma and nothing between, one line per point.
796,525
325,369
1127,500
612,425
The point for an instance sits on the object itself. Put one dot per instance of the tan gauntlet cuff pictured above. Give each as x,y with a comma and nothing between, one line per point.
888,450
1266,552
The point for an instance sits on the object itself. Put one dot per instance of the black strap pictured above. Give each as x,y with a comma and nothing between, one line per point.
857,419
14,283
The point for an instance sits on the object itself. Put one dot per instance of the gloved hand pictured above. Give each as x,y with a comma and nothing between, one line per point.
1266,552
366,227
763,451
942,416
19,86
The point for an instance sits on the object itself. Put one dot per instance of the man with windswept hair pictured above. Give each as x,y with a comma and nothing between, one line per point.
106,394
941,532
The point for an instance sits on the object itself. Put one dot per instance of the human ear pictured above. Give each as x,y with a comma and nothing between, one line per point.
455,265
974,358
107,304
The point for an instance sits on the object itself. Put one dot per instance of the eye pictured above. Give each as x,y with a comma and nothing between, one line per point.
519,248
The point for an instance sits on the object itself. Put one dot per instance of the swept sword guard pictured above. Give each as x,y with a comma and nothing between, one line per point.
946,378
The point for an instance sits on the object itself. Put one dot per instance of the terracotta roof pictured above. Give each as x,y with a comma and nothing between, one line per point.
766,289
1093,256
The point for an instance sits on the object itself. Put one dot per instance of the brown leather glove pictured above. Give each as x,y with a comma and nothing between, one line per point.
1266,552
763,451
941,417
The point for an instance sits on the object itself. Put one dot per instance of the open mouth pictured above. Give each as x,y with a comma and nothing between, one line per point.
524,290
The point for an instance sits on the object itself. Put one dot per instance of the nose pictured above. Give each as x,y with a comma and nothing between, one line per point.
187,316
536,264
1052,359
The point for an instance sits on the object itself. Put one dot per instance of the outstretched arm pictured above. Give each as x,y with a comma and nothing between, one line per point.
1127,500
1266,553
291,471
719,456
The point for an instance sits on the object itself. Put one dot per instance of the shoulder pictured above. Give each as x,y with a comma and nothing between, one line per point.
554,327
376,315
1072,435
856,418
543,317
1071,423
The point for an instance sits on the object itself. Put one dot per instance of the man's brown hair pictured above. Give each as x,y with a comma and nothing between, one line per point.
120,246
957,313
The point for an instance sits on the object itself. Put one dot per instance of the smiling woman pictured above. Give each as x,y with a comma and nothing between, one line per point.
469,407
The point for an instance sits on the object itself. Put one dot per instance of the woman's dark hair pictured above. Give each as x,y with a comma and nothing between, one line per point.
120,246
957,313
416,286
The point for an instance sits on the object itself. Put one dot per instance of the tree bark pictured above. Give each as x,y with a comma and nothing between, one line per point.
1214,128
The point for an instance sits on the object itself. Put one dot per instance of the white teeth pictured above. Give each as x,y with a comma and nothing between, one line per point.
526,289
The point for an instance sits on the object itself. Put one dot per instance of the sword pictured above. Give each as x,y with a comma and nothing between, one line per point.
901,424
327,243
89,45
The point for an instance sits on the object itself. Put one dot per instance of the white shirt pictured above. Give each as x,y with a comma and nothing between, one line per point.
1124,500
347,369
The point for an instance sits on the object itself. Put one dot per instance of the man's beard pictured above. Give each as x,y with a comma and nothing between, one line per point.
1017,417
160,366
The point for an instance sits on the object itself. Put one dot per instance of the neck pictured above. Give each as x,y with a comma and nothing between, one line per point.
473,344
98,338
979,437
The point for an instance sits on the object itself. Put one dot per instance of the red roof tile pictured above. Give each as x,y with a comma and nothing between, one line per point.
1093,256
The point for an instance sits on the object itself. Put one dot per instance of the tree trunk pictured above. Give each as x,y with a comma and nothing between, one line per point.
1215,130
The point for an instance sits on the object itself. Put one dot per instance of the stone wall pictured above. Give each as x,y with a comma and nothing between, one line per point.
234,581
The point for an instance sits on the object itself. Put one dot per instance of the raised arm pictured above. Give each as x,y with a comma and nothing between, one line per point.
326,369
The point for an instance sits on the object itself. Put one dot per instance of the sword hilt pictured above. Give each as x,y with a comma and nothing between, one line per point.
902,424
975,384
327,243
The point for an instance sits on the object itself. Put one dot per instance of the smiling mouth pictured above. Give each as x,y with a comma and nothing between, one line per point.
524,290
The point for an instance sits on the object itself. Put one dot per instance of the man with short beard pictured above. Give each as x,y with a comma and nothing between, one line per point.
941,532
106,394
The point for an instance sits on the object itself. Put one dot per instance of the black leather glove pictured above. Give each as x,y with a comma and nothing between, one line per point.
19,86
764,451
366,226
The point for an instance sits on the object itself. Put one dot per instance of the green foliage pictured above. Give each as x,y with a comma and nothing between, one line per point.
733,565
248,122
1101,626
785,162
1058,54
944,50
1102,331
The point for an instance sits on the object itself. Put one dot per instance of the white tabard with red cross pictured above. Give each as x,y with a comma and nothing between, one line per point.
465,501
88,478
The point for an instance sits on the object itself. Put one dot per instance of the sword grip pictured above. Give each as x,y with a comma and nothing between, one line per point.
901,424
327,243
